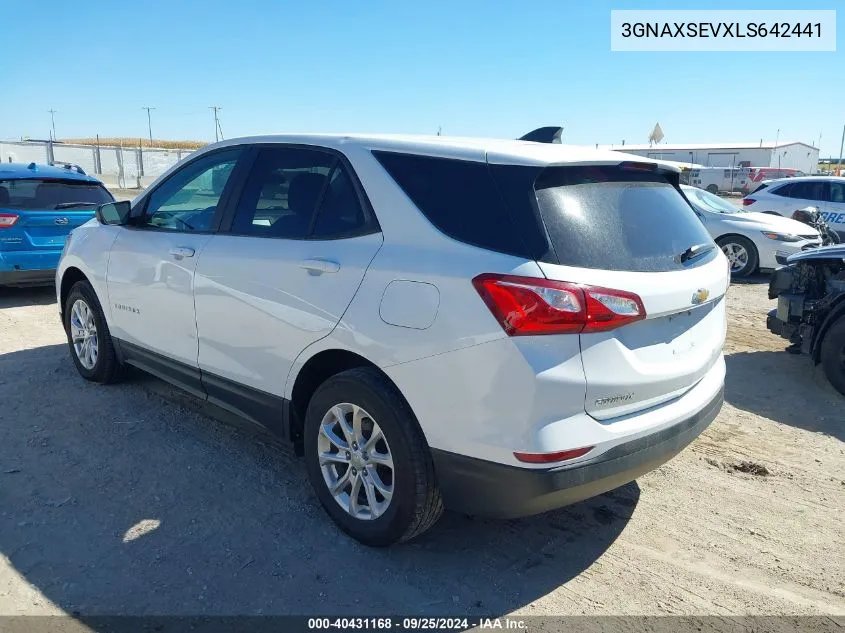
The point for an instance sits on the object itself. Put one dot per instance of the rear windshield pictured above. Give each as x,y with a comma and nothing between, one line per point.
34,194
759,187
618,219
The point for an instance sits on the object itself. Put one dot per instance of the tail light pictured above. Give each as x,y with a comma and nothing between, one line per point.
526,306
7,220
748,201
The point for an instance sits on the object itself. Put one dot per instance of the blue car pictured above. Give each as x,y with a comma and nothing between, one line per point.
39,206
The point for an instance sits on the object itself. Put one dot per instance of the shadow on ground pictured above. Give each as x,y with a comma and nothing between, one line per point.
17,297
758,278
114,500
794,391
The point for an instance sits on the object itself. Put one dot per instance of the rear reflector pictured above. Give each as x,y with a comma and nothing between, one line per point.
526,306
7,220
748,201
548,458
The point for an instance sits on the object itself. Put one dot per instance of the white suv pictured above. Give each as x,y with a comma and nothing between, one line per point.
787,195
503,327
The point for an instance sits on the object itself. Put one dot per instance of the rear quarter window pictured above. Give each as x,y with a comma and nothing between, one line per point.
458,197
618,219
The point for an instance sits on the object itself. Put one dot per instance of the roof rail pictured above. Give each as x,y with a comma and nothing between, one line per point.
550,134
73,166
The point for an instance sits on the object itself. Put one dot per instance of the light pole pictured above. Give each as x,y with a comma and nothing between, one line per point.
149,123
216,123
53,121
839,163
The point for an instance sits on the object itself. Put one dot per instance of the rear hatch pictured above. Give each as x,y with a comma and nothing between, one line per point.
39,213
628,228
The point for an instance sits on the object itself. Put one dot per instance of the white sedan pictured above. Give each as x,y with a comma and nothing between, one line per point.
749,240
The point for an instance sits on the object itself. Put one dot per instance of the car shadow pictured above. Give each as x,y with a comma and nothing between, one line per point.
115,500
794,392
12,297
758,278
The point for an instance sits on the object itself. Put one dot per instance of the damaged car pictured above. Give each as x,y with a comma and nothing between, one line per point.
810,290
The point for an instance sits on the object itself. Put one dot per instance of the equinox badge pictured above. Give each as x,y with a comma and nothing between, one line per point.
700,296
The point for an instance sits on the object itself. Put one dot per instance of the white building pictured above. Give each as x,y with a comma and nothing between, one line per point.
786,154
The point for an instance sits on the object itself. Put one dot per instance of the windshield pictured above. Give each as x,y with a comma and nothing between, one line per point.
707,201
39,194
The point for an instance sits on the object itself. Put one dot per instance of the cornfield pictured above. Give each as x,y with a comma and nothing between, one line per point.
133,142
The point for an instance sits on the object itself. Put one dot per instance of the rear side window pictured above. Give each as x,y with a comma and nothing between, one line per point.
618,219
458,197
810,190
759,187
34,194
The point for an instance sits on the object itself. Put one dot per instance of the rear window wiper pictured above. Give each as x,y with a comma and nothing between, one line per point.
694,251
71,205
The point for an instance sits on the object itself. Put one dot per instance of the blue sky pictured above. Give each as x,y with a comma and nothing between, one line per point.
474,68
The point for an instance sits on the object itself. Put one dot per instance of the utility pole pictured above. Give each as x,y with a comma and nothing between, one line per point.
53,121
149,124
217,130
839,163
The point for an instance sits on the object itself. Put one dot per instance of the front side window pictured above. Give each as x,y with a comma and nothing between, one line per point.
296,193
47,194
837,192
188,199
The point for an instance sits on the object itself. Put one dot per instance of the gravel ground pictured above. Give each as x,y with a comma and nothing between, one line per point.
133,499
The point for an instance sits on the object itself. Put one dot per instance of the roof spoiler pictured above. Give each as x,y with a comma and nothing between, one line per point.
72,166
549,134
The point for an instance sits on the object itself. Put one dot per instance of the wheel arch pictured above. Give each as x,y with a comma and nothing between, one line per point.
836,313
71,276
314,372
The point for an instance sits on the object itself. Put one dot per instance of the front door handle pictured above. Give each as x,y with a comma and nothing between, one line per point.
318,266
182,251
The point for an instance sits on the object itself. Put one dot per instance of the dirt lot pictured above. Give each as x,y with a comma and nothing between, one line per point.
131,499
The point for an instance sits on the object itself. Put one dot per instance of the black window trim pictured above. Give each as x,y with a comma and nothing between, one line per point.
371,224
139,210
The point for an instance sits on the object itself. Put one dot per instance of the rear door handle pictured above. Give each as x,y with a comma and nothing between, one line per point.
319,265
182,251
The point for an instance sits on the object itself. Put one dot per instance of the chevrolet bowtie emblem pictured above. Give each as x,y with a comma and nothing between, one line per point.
700,296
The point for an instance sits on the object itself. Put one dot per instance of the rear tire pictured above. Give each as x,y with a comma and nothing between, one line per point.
89,340
713,189
833,355
741,253
369,404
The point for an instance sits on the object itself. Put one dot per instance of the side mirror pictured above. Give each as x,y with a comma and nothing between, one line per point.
114,213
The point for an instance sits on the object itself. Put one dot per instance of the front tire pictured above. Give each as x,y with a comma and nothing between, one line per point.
833,355
741,253
368,461
90,342
713,189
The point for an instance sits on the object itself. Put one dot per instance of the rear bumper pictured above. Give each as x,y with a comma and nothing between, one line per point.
27,277
20,268
484,488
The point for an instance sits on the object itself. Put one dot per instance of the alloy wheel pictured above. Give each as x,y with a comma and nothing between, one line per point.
83,332
356,461
737,256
